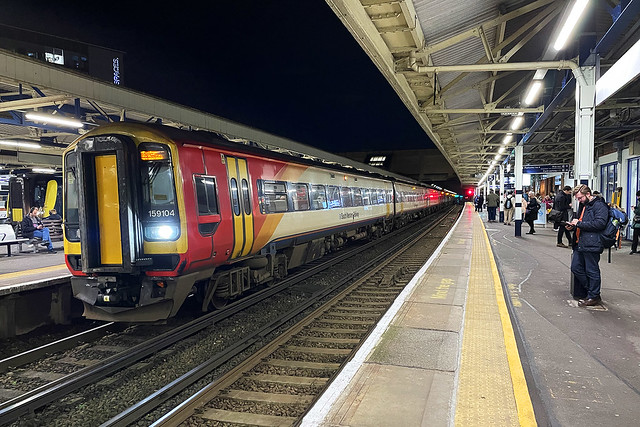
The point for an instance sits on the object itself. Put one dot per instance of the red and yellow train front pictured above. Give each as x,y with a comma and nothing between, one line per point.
125,224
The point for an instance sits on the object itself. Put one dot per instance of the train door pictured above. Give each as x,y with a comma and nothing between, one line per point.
242,211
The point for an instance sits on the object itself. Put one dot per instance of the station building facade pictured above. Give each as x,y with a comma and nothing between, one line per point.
96,61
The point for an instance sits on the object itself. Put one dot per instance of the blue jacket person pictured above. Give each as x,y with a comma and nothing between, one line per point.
587,246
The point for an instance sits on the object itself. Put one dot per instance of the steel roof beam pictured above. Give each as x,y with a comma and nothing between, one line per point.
45,101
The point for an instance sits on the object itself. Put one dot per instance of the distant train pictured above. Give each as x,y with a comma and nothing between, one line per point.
154,214
27,189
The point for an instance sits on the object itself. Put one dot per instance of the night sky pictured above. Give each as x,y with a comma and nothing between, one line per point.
288,67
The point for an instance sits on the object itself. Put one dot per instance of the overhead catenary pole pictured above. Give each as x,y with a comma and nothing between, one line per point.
518,186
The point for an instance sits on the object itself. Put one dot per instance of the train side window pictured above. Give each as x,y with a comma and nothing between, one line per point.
345,195
246,199
357,196
206,195
366,197
235,200
334,197
318,197
299,196
389,196
272,196
380,196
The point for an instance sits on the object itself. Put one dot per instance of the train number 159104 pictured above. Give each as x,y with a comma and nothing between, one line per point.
159,213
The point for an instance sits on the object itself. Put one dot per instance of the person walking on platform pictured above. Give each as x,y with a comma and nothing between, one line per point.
480,202
635,225
563,204
509,209
32,227
493,200
587,246
531,211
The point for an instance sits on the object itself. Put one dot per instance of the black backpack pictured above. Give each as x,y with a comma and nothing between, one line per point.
507,203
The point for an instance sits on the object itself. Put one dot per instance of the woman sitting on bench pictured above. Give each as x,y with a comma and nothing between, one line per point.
32,227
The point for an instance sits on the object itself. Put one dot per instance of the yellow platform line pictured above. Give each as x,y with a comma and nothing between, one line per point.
492,389
34,271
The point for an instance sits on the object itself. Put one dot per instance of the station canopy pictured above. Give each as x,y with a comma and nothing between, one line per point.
464,70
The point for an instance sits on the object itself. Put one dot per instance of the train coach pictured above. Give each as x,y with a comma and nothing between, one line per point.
153,214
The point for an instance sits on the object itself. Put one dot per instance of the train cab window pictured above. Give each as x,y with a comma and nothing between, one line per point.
346,197
235,199
246,198
357,196
206,195
71,216
272,196
334,197
318,197
160,216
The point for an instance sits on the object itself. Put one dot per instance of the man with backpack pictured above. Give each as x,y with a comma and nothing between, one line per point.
588,246
509,209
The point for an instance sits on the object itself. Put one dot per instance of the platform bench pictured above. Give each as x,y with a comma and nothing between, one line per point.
8,244
55,228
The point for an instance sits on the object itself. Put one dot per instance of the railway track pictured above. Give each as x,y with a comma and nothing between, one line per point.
103,372
280,382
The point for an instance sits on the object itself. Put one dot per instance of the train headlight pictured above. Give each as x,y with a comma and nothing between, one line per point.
162,232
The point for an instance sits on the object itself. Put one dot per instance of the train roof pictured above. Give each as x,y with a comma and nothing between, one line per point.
206,137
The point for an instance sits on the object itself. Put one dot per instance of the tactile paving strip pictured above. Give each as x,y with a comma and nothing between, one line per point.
489,363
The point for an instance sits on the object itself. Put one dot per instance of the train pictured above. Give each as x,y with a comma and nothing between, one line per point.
154,214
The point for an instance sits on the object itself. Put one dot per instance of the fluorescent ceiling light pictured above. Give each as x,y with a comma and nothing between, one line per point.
49,118
507,138
570,23
501,150
622,72
497,157
534,90
43,170
19,144
517,122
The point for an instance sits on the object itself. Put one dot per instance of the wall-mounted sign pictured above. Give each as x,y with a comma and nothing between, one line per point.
116,71
564,167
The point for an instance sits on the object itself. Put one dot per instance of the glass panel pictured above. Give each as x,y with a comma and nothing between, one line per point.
318,197
273,196
300,197
158,189
71,218
334,197
357,197
366,197
235,201
345,196
246,199
206,195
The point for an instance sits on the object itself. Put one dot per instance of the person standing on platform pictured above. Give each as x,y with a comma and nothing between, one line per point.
493,200
587,247
635,225
563,204
480,202
509,209
531,209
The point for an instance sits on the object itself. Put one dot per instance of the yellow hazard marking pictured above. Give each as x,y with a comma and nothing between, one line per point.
492,389
35,271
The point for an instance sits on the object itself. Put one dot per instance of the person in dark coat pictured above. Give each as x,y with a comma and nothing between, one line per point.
53,214
563,204
531,209
634,225
587,246
32,227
